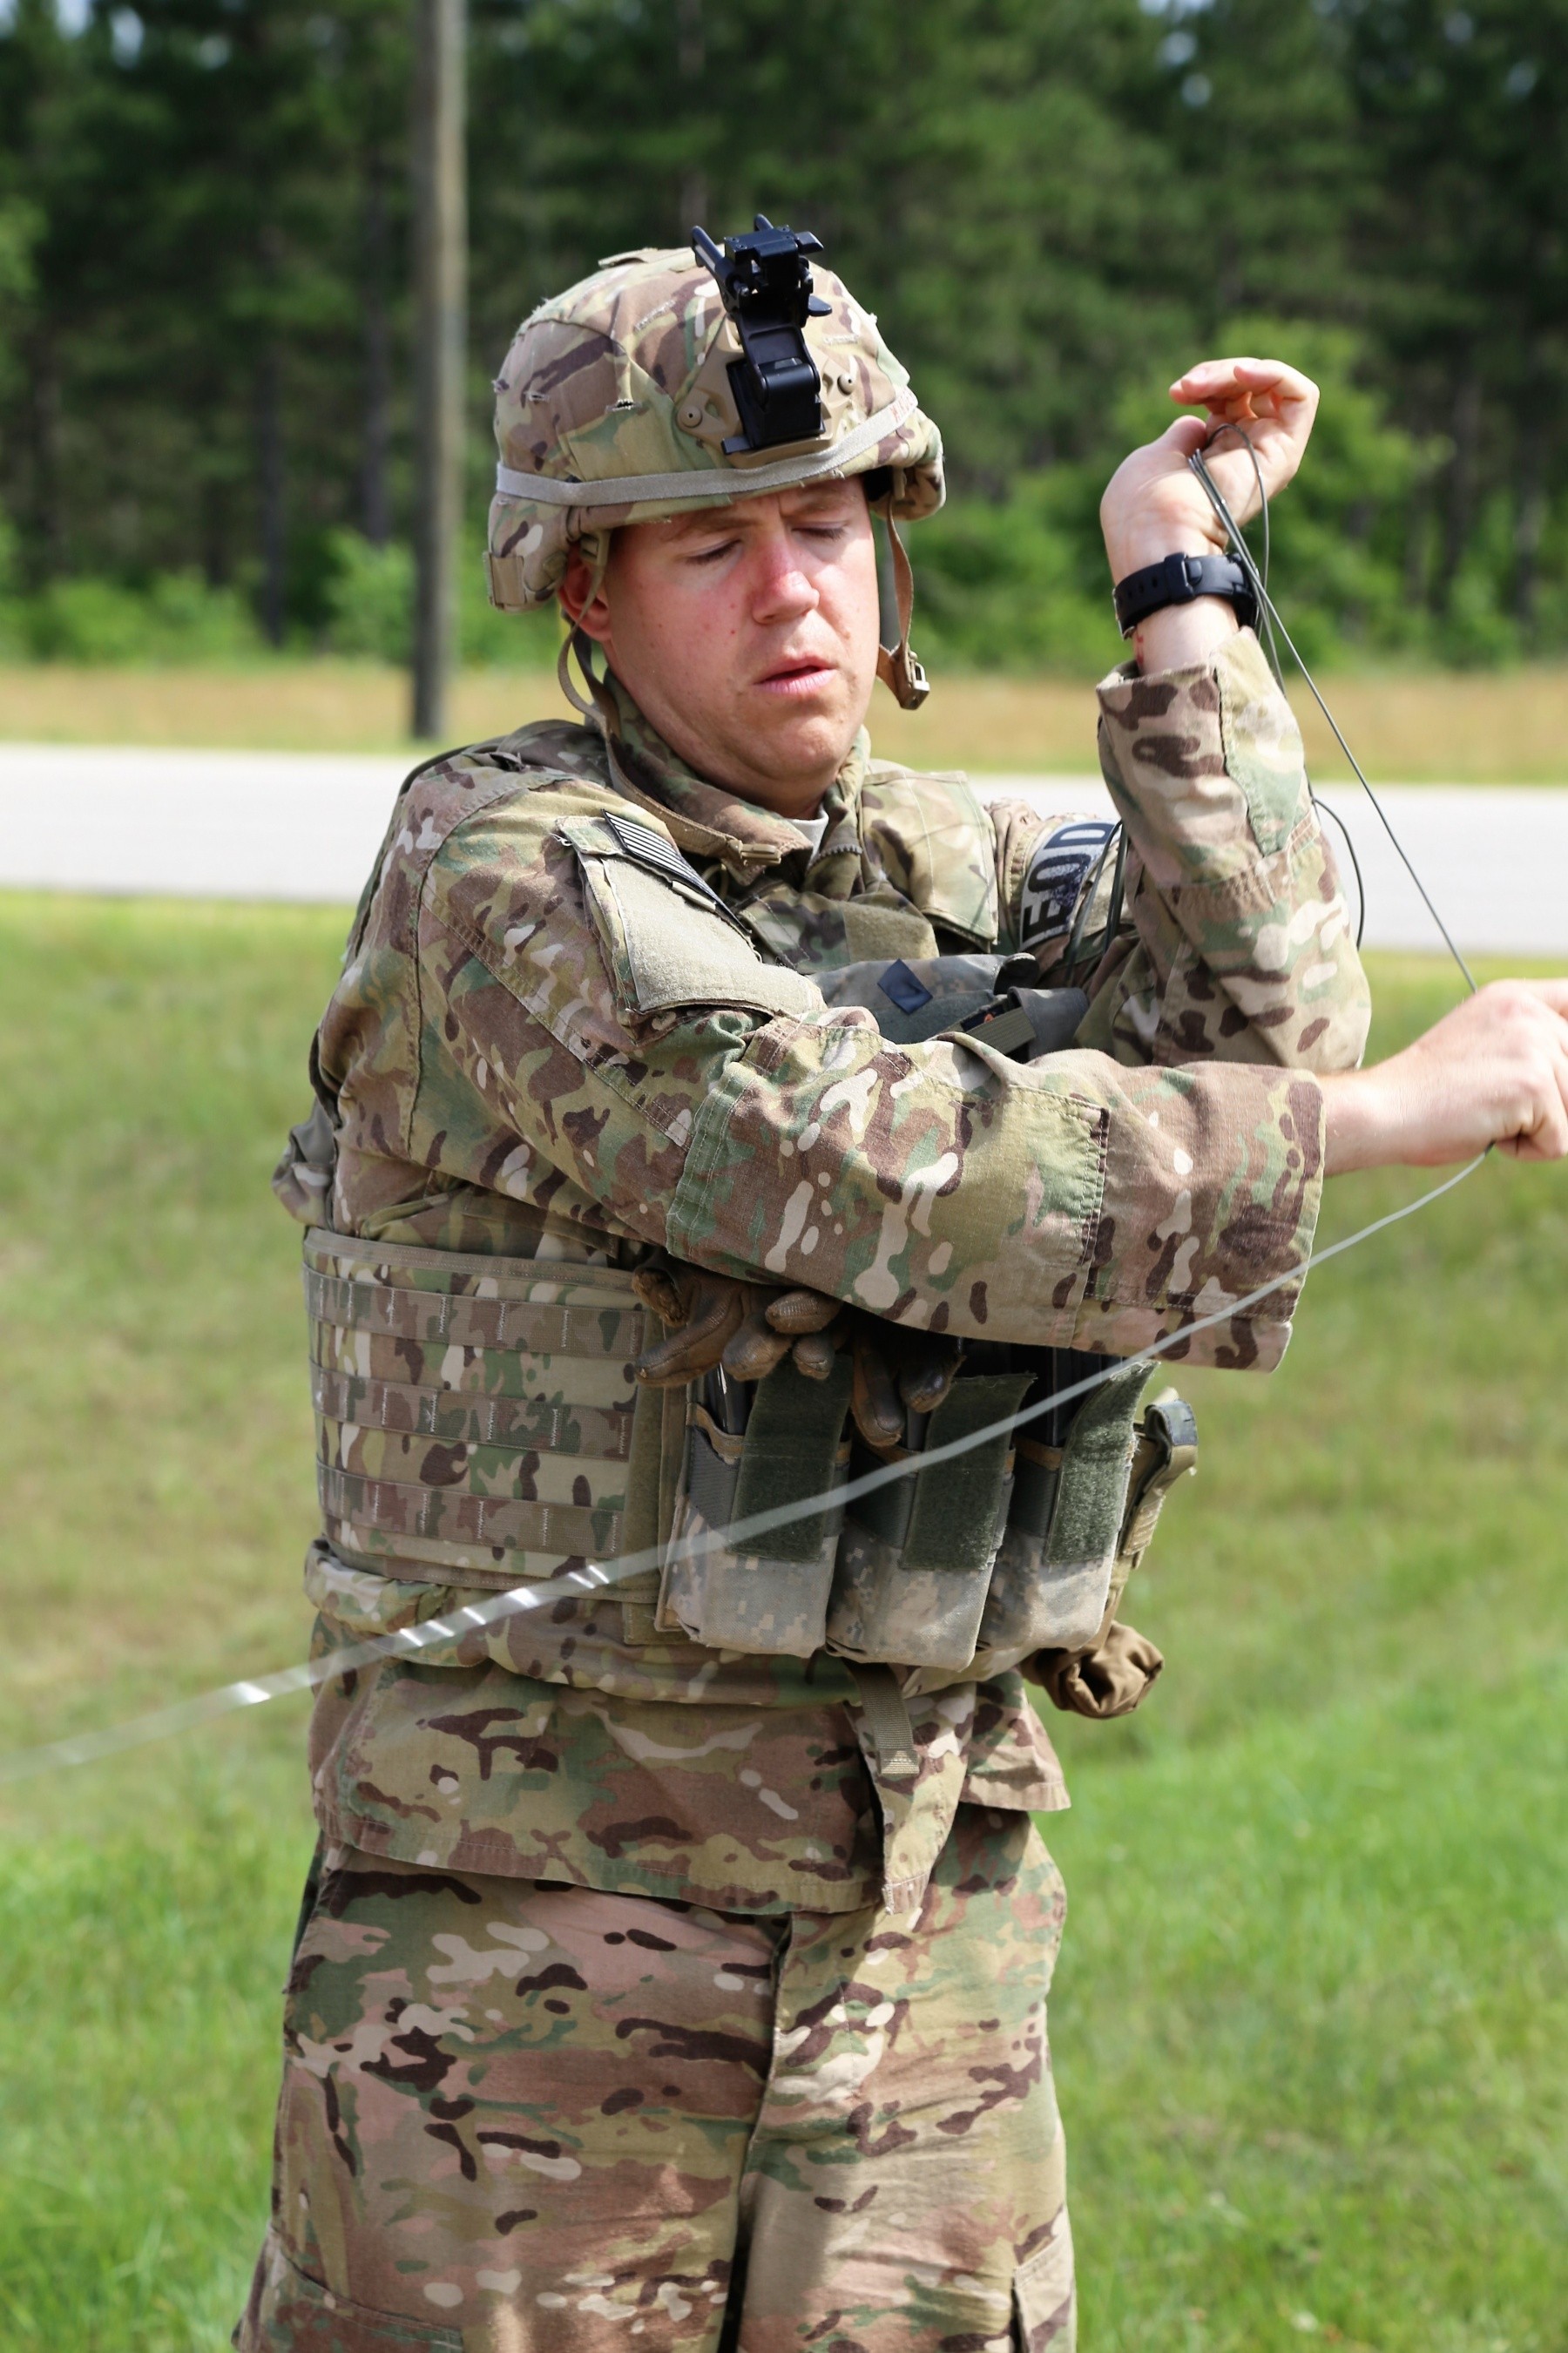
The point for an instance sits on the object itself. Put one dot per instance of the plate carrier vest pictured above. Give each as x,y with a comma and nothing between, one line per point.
478,1420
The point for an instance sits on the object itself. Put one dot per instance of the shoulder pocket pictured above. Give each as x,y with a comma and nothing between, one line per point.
666,939
937,844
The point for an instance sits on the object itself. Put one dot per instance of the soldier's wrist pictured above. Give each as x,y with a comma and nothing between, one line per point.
1142,540
1181,637
1363,1124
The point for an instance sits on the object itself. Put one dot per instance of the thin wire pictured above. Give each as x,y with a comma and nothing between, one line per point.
1265,608
1271,647
206,1707
1325,809
1244,557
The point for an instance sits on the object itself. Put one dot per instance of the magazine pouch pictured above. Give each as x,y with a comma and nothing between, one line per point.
753,1448
1077,1509
915,1558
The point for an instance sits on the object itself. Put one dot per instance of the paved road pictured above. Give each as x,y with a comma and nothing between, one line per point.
261,824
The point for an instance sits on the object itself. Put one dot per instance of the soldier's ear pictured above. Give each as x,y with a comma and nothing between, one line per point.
582,593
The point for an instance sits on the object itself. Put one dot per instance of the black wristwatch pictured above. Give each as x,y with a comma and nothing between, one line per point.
1179,580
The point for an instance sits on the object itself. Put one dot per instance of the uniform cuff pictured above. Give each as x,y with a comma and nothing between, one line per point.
1205,764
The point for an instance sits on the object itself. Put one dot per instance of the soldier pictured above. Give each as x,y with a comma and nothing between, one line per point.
673,1971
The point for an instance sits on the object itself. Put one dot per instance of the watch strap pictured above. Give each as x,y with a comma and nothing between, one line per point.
1181,580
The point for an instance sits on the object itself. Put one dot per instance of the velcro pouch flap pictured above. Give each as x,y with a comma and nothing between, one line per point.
1097,1464
668,940
791,1445
953,1523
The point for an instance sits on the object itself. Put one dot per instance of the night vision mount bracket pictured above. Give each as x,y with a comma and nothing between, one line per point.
766,280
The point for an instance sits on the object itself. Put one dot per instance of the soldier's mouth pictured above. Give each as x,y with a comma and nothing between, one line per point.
794,677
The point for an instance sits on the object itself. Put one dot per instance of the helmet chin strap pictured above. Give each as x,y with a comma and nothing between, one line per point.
579,646
899,666
600,712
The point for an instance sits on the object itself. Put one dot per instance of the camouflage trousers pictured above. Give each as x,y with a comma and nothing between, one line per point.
519,2117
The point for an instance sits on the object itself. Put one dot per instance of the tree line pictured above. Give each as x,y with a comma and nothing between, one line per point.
1054,205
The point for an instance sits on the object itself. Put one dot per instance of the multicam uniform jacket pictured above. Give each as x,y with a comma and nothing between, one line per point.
510,1071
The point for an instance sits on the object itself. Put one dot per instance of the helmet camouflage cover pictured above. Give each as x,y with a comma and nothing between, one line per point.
615,400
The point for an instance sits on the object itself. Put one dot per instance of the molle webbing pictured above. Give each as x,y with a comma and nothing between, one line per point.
399,1508
466,1321
474,1415
478,1421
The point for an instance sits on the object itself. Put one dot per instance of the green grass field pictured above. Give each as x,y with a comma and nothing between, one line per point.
1311,2024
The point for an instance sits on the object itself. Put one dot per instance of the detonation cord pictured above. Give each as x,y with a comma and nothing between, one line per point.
1266,615
474,1617
1270,614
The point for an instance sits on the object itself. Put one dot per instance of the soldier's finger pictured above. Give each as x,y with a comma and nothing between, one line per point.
1546,1140
658,1290
1545,1137
752,1352
671,1362
815,1353
802,1311
1549,1140
1285,387
873,1397
928,1371
717,1309
1243,382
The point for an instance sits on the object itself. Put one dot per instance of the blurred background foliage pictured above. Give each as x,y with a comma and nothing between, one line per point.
1055,203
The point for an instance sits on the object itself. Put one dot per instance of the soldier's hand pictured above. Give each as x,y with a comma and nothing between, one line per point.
1111,1680
1155,506
1274,404
750,1327
715,1319
1492,1071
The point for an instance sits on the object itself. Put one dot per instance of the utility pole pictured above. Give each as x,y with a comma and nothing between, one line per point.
690,65
440,276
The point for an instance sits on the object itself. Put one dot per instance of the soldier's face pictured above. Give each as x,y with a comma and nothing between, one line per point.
747,635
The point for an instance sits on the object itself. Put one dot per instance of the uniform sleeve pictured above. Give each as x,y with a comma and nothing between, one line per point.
1240,946
1072,1202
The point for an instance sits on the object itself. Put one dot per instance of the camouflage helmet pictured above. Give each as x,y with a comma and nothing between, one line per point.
617,404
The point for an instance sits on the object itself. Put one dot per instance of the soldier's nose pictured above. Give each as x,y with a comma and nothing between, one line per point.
781,588
784,598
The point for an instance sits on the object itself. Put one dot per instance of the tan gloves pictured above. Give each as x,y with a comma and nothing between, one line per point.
750,1327
1111,1680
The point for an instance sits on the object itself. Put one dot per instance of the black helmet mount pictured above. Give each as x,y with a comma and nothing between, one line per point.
766,280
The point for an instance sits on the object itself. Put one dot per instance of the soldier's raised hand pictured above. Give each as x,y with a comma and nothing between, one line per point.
1155,506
